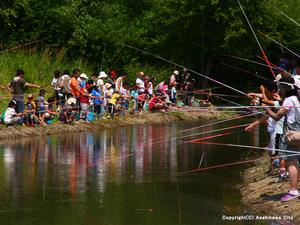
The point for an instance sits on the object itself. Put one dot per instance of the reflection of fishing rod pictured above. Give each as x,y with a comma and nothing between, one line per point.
245,71
254,34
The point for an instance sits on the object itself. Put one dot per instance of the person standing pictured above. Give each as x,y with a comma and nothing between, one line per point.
173,78
119,82
17,87
56,84
140,83
100,82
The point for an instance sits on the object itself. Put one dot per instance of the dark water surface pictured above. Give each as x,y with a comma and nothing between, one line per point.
124,176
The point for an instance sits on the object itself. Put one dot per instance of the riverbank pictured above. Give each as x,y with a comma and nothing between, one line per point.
262,193
143,118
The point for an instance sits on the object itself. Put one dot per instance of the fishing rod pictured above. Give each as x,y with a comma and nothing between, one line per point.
290,18
219,135
248,60
226,100
245,71
199,74
277,42
248,146
218,122
254,34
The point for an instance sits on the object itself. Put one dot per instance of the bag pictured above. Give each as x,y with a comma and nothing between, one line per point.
293,138
2,116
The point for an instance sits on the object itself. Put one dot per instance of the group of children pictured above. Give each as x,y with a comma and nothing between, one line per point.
280,100
77,97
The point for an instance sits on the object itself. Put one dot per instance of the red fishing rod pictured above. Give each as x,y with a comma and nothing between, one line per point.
254,34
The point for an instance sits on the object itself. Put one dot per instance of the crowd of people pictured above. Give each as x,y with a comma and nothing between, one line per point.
77,97
280,100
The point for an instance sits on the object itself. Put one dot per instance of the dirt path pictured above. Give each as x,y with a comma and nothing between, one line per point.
262,193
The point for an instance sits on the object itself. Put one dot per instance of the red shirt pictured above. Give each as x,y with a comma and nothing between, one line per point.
152,102
83,98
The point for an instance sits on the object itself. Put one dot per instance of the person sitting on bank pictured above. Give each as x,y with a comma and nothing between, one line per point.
11,117
158,103
17,87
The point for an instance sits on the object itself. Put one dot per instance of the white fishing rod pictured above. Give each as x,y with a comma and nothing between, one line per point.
286,48
255,36
287,16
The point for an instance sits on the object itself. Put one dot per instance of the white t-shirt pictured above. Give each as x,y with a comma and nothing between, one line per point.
141,84
9,114
173,79
119,84
273,125
291,104
297,80
100,82
55,83
150,88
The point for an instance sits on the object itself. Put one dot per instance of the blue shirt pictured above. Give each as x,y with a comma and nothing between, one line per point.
96,93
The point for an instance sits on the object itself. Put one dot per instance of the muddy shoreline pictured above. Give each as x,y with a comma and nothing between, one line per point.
144,118
261,193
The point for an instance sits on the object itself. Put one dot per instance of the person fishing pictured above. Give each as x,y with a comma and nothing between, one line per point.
17,87
290,112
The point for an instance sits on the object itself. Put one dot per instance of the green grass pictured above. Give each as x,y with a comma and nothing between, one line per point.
39,69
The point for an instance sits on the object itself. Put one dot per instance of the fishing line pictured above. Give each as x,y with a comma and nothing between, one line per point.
286,48
218,166
248,146
248,60
291,19
226,100
218,122
199,74
245,71
254,34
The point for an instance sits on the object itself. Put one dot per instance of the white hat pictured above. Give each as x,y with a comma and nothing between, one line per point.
176,72
71,101
102,74
83,75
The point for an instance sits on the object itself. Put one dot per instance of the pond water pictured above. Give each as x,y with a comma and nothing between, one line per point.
123,176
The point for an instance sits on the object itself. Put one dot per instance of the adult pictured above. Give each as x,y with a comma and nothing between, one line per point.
17,87
75,88
119,82
112,73
83,78
140,83
173,77
100,82
290,110
157,103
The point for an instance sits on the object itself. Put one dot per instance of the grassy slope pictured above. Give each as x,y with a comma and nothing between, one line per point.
38,69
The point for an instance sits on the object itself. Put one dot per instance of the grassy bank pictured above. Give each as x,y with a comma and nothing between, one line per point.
144,118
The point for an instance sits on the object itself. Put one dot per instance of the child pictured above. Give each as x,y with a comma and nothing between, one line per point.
56,84
173,94
112,103
97,102
30,117
68,113
12,118
41,106
84,102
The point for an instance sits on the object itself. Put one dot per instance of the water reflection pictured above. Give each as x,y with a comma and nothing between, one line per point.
119,176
